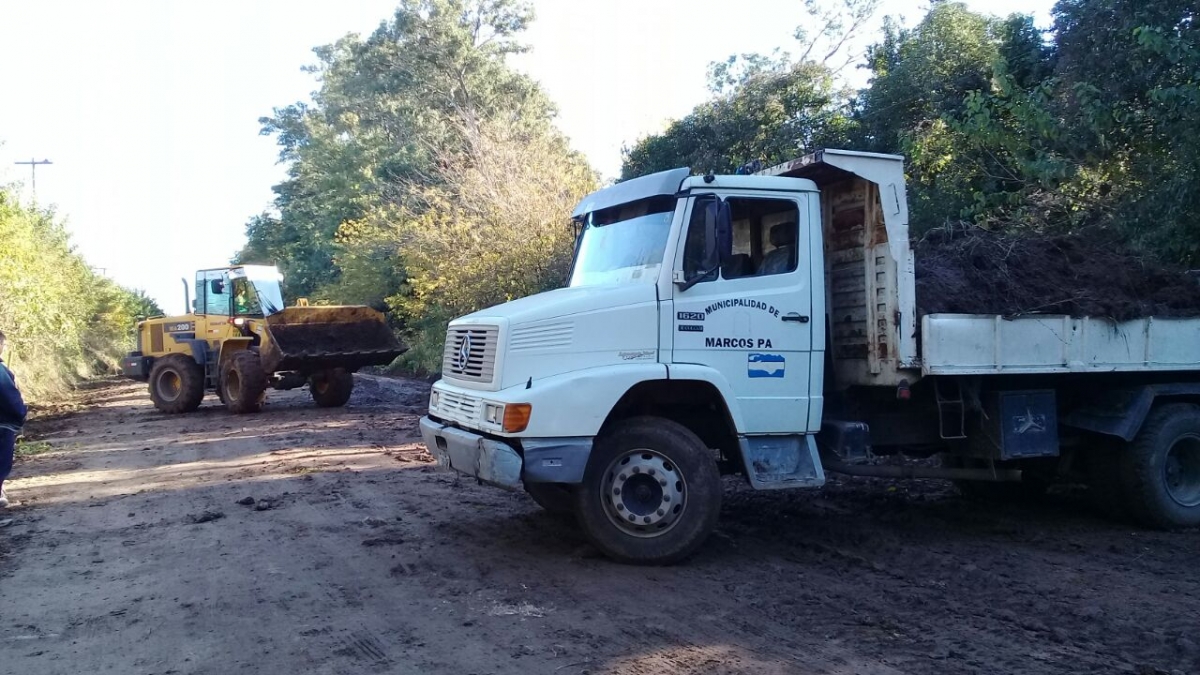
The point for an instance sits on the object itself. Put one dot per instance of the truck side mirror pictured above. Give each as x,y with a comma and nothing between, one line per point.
711,216
712,250
718,234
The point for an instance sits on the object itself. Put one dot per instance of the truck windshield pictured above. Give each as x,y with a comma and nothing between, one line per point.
623,244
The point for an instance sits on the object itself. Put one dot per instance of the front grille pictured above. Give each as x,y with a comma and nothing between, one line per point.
470,353
156,338
458,407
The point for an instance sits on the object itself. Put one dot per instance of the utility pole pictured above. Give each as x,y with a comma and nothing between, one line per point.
33,165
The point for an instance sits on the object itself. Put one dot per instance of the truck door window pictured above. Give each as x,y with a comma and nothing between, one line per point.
764,242
765,236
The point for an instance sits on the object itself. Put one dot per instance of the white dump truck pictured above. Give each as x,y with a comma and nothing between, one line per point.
766,325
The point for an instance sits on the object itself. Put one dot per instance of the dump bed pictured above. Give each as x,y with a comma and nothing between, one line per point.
972,344
870,287
869,273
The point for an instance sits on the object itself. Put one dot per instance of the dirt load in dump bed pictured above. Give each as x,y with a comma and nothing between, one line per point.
970,270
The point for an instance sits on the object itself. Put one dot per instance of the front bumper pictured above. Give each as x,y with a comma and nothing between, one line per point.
490,461
545,460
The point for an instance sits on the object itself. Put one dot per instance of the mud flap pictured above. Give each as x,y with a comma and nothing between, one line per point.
780,462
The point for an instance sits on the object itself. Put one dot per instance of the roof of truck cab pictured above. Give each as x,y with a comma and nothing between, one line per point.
674,181
750,183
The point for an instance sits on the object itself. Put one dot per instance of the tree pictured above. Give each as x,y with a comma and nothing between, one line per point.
765,108
63,322
383,103
425,178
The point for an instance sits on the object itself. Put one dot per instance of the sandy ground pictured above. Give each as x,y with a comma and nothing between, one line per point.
131,554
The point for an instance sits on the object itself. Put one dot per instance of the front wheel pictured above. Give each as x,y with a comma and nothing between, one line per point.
555,498
651,493
244,383
1160,469
331,388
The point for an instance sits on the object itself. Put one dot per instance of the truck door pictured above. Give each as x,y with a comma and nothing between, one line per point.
751,319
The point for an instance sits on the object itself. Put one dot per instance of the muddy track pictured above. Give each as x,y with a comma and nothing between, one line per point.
131,554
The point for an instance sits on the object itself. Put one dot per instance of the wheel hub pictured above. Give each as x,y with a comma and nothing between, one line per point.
1181,471
644,493
233,385
169,385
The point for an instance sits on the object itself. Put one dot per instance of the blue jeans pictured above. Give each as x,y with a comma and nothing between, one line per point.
8,446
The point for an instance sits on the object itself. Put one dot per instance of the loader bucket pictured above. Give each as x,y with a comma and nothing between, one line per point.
311,339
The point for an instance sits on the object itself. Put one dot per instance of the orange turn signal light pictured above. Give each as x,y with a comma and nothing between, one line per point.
516,417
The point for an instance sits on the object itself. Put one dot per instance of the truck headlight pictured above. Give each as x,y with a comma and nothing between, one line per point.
493,414
433,399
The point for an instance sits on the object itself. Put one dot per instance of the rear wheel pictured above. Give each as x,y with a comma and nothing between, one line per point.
176,384
1160,469
555,498
651,494
331,388
244,383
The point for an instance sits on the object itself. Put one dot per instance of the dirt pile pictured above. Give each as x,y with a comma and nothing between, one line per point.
970,270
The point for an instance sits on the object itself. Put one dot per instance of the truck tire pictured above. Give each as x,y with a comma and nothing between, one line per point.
651,493
244,383
331,388
1160,468
176,384
555,498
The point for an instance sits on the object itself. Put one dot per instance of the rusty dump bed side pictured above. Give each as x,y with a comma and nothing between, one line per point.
318,338
870,286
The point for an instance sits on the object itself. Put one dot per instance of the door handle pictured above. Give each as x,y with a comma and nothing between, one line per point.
794,316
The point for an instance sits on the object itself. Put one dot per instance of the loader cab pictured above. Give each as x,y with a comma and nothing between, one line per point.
251,291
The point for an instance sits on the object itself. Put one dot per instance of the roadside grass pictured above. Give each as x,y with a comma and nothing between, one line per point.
28,448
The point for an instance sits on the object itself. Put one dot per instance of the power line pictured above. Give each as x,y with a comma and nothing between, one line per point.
33,165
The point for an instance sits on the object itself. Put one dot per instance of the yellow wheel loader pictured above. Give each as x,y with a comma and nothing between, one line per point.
240,340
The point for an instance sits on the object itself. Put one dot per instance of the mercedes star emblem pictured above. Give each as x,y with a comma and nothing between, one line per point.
464,353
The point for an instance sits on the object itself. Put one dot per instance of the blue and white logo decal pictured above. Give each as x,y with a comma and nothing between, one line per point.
765,365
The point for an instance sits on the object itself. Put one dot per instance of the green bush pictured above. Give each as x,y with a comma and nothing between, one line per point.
63,322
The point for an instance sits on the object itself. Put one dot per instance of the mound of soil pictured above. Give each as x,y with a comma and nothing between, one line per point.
970,270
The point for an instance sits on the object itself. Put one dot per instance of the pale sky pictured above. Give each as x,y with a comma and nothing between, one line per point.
149,109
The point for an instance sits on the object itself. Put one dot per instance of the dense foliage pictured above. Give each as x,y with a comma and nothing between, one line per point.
425,177
1089,124
63,322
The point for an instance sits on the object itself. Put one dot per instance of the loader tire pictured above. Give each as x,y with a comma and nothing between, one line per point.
176,384
331,388
651,493
1160,468
244,383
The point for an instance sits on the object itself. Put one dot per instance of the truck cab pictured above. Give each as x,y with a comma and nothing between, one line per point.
690,341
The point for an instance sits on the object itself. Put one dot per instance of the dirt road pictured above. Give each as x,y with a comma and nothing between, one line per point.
131,554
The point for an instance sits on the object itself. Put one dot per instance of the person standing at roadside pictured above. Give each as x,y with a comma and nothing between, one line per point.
12,418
